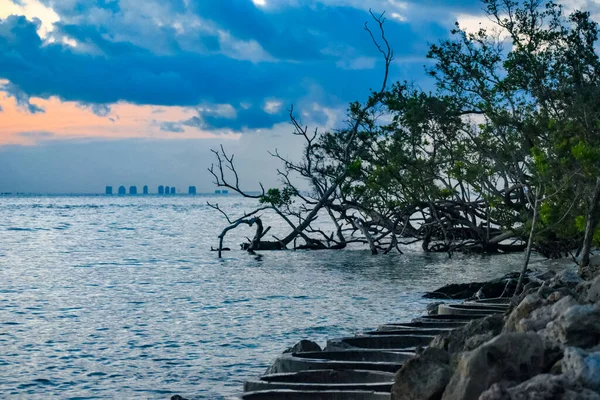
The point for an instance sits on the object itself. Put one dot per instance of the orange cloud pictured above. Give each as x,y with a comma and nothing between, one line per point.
69,120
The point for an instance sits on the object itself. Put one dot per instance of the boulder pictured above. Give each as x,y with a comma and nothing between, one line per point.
540,387
469,336
583,367
509,356
540,317
303,346
424,377
523,310
592,294
566,278
578,326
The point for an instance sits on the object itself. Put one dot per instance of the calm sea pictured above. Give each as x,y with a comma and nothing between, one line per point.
121,297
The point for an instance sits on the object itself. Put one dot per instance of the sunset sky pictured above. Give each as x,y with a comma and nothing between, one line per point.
110,92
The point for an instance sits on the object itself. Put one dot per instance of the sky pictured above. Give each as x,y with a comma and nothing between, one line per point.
130,92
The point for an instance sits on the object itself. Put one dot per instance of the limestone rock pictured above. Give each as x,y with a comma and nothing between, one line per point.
540,387
523,310
578,326
510,356
540,317
303,345
582,366
457,340
424,377
566,278
592,294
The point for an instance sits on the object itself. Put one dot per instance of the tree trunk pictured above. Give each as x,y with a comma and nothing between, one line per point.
529,242
590,228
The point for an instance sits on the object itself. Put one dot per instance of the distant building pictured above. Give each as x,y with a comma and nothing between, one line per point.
217,191
167,190
161,189
192,190
109,190
173,191
225,191
145,189
122,190
133,190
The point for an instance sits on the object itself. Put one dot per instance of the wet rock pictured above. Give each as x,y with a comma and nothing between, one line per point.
303,346
578,326
178,397
424,377
469,336
523,310
583,367
540,387
493,288
510,356
540,317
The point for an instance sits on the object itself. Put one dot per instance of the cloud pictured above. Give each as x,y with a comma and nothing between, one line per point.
22,99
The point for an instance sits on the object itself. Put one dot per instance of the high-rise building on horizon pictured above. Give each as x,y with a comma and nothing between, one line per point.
167,190
122,190
173,190
133,190
109,190
192,190
145,190
161,189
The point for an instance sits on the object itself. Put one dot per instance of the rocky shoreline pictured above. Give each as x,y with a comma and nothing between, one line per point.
543,344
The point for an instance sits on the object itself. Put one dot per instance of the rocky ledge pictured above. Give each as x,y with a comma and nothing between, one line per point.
546,346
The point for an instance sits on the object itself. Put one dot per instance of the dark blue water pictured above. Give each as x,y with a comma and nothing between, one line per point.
105,297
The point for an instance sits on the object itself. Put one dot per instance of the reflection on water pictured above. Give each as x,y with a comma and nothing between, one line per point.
107,295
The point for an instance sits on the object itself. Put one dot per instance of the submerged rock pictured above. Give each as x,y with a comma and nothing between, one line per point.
510,356
424,377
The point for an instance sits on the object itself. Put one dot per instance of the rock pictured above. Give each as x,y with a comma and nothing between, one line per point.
523,310
432,308
540,317
593,269
461,339
578,326
493,288
303,345
592,294
566,278
582,366
509,356
540,387
177,397
424,377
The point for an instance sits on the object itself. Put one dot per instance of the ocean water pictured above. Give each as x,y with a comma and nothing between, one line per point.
106,297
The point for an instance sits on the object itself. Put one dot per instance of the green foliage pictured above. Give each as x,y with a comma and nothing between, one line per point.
277,197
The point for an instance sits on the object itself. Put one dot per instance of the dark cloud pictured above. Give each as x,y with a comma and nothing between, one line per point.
121,57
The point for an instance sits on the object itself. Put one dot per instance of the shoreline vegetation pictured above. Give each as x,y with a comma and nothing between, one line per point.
503,155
